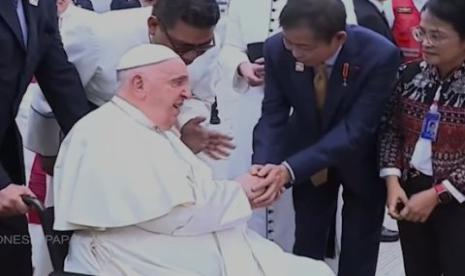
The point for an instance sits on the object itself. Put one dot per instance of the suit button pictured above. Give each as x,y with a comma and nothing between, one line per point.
273,10
270,30
270,221
270,231
272,19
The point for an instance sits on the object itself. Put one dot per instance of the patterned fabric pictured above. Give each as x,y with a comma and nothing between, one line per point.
402,123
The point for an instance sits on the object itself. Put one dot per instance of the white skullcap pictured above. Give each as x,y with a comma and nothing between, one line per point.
145,54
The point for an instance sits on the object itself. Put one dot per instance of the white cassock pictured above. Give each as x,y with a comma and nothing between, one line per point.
251,22
141,203
78,33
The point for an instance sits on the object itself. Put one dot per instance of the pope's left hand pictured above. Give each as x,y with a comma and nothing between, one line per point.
219,146
275,177
420,206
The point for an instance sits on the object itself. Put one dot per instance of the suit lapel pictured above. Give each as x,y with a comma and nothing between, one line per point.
8,13
338,85
303,83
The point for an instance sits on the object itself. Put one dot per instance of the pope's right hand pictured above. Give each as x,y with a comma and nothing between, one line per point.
11,202
248,182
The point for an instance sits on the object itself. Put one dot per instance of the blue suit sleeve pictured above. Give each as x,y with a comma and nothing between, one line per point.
269,132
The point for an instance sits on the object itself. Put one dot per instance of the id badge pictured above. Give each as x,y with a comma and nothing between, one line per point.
430,126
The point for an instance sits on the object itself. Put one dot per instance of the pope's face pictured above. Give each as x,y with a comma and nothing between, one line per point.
167,86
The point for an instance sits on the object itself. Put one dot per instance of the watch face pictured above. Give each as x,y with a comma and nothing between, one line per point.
445,197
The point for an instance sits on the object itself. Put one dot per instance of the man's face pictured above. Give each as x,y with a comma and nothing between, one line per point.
308,49
187,41
167,86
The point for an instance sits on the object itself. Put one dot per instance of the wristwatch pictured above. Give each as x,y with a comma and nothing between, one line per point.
443,194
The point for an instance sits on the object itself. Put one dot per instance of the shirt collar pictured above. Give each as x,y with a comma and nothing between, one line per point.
332,60
133,112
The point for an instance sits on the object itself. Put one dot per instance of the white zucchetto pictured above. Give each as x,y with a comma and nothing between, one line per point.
145,54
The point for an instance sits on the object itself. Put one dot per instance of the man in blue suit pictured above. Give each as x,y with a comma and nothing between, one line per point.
326,86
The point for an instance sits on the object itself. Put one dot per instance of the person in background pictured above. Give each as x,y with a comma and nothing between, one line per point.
31,45
421,146
403,17
43,134
249,25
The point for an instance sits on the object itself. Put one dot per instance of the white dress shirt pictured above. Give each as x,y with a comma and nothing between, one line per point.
22,20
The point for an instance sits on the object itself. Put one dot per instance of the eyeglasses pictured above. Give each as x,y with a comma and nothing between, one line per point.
188,51
435,37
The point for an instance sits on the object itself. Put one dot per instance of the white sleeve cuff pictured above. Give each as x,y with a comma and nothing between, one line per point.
385,172
240,85
453,191
289,169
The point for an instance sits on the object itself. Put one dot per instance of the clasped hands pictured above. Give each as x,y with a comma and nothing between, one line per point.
264,184
417,208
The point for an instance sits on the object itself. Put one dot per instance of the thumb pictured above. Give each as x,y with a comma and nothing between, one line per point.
255,169
403,197
404,211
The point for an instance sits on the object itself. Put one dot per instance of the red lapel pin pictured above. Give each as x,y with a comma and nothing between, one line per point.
345,73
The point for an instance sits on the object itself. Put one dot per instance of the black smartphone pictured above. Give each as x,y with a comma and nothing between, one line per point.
255,51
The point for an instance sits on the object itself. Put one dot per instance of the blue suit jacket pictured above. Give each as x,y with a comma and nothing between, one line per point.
344,140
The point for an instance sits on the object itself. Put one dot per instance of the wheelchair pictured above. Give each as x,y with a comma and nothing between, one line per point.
57,241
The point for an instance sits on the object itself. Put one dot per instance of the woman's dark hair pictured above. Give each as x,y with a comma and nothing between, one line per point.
450,11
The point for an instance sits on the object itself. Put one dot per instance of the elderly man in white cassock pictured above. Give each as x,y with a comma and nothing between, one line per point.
141,203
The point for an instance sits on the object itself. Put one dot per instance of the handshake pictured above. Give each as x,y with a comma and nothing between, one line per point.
264,184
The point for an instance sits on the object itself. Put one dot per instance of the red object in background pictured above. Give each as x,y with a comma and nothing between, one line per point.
406,18
38,185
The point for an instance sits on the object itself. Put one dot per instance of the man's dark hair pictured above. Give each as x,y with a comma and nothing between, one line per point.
325,18
198,13
449,11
